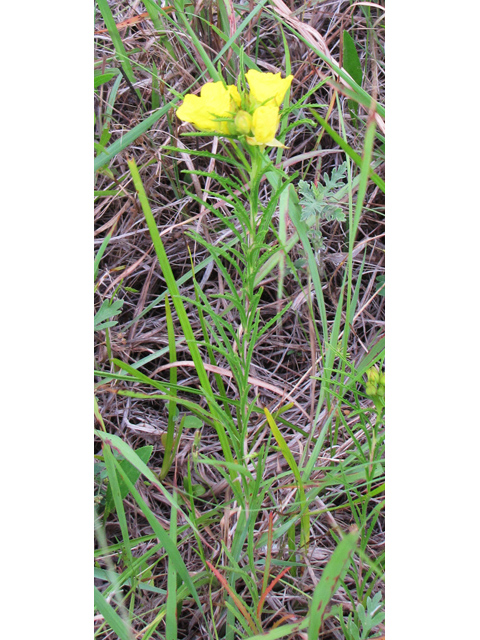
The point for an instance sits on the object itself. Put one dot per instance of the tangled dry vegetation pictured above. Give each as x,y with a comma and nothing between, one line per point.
288,355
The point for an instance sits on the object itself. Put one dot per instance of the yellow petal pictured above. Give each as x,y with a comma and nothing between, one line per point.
234,94
265,121
267,87
273,143
193,110
216,98
204,111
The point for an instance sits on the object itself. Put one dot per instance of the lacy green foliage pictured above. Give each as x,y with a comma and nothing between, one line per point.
364,619
108,310
321,201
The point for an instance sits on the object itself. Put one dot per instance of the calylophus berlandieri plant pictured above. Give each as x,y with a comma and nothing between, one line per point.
249,118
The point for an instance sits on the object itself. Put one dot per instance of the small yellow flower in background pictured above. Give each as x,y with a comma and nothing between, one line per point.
213,103
267,87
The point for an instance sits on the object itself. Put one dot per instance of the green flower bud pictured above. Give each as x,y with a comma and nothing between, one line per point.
382,379
373,375
243,122
381,391
371,390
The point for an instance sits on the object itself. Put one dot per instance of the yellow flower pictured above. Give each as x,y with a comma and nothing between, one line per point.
218,108
266,88
206,111
265,121
234,94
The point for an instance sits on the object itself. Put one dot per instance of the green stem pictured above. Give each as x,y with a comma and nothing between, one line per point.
250,300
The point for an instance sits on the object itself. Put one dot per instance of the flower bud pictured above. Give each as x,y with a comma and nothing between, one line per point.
373,376
371,390
243,122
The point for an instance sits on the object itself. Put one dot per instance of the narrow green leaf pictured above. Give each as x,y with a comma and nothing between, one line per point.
103,78
302,228
305,518
111,616
168,275
159,531
129,138
200,48
128,453
280,632
351,61
169,452
114,486
117,42
171,614
133,474
356,92
180,309
330,581
155,88
230,42
365,174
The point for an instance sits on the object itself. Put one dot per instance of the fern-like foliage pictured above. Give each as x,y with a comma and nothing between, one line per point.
321,201
108,310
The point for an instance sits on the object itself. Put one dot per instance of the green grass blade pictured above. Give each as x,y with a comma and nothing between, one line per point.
171,614
180,309
168,455
144,454
305,518
242,608
99,255
355,92
111,616
169,277
159,531
155,88
117,42
230,42
376,353
114,486
365,174
316,450
302,228
153,11
129,138
200,48
351,61
185,278
128,453
281,632
330,581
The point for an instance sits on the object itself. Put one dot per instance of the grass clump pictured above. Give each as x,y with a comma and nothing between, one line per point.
239,478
